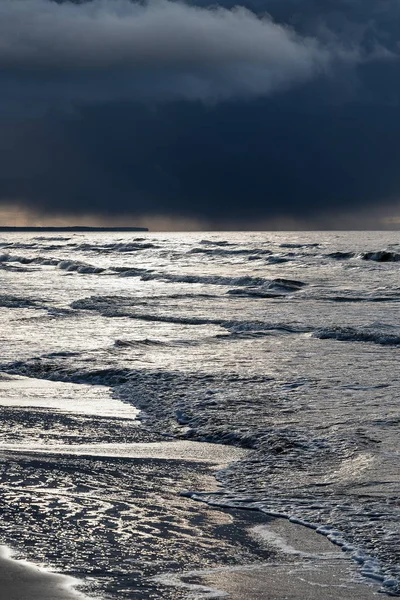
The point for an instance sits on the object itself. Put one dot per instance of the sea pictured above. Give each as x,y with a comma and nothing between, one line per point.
161,392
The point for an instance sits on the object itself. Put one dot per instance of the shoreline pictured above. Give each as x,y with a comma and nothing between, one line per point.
308,568
306,563
298,563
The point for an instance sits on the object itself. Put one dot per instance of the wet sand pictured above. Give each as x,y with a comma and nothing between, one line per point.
297,564
310,568
20,580
290,582
199,452
228,553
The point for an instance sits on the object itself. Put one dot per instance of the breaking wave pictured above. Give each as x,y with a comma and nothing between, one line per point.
341,255
378,256
26,260
274,289
244,280
57,238
289,467
386,335
66,265
222,251
72,265
125,307
8,301
367,298
144,274
293,245
121,247
144,342
47,367
307,426
118,306
381,256
216,243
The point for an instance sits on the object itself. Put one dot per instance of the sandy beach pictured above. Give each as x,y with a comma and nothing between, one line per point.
21,580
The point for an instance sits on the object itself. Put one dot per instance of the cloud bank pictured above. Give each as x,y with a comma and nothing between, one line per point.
59,53
279,109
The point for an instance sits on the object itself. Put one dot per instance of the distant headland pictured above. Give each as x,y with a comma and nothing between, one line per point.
76,229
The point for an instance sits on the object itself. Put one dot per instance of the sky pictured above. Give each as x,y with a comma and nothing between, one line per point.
271,114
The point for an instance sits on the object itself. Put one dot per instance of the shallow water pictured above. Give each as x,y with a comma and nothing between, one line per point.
284,344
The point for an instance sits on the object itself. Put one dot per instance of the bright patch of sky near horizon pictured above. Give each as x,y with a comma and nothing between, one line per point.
18,216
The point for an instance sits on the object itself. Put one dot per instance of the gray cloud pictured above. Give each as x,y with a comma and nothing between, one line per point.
116,50
311,129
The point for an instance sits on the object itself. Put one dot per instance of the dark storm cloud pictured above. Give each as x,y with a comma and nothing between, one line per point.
117,50
290,109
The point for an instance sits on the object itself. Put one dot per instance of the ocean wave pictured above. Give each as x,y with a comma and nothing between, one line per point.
61,354
48,367
144,342
125,306
66,265
56,238
244,280
234,327
32,245
76,266
295,245
29,260
251,254
5,258
260,328
19,245
377,256
130,271
8,301
127,271
216,243
11,301
276,288
133,246
275,259
209,408
144,274
381,256
367,298
379,294
206,279
341,255
385,335
80,267
289,468
301,428
369,566
258,292
14,268
114,307
230,251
